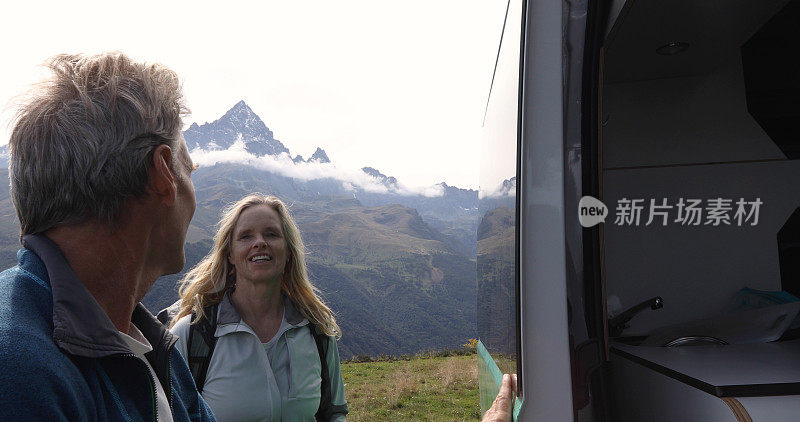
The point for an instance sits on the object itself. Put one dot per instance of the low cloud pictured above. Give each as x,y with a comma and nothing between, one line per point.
283,165
505,189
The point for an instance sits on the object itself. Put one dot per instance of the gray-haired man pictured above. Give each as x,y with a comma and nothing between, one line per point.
100,180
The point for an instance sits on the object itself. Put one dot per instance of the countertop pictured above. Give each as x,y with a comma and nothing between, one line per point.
738,370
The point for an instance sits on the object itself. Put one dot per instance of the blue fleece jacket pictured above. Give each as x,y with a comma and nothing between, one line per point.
61,359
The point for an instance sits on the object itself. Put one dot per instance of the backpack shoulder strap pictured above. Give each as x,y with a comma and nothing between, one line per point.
201,344
325,405
167,314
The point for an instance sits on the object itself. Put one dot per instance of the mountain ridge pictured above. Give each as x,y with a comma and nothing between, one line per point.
239,123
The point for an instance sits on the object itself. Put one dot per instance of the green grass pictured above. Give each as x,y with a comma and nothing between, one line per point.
419,389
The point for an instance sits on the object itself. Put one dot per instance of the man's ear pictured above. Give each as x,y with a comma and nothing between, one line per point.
162,183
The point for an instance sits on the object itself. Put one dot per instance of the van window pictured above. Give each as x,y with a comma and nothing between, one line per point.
498,251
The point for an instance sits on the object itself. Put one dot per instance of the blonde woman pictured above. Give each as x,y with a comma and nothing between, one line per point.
265,340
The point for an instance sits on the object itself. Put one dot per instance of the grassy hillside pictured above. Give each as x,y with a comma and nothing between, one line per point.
419,389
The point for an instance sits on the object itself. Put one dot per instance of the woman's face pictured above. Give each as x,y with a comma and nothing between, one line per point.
258,247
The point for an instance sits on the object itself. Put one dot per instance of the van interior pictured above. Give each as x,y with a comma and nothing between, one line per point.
700,169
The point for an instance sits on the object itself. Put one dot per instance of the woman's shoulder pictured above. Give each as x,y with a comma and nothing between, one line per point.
182,325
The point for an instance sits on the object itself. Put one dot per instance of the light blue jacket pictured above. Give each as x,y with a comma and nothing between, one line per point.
243,384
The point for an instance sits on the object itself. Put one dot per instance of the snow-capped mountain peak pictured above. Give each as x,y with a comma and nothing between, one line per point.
239,121
319,156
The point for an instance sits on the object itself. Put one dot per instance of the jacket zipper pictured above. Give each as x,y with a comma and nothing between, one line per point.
169,382
289,353
152,385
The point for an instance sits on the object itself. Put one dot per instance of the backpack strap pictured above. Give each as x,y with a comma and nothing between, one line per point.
167,314
325,410
201,344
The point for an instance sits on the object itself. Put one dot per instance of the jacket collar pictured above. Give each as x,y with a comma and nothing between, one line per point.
80,326
229,320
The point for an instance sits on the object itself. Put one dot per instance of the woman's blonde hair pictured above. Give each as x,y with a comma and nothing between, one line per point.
206,283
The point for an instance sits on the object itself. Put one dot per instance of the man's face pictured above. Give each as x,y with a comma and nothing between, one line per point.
184,207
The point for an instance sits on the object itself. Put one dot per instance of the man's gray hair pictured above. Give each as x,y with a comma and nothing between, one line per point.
82,140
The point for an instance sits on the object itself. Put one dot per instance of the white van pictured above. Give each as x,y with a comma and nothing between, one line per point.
639,251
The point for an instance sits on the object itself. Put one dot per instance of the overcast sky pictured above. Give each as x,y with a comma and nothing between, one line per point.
400,86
